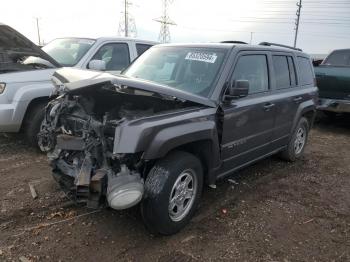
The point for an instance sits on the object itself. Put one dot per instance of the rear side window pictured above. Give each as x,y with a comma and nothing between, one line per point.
284,71
254,69
280,65
305,71
141,48
292,72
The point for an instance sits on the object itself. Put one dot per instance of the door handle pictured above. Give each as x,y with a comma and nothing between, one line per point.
268,106
297,99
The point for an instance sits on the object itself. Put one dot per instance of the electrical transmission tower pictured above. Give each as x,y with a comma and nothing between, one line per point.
297,22
127,25
165,21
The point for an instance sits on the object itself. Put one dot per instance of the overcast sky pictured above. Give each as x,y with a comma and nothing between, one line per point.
324,25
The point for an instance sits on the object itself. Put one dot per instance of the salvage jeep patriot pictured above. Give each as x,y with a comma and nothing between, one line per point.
179,117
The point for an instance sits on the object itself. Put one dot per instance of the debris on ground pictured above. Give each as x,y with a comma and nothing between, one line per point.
32,191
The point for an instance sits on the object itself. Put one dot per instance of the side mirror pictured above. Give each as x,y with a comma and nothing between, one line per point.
98,65
238,89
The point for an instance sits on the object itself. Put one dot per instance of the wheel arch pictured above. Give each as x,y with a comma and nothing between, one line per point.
33,104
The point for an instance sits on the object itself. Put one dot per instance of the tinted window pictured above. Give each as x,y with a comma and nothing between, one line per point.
292,72
305,69
254,69
280,65
115,55
339,57
141,48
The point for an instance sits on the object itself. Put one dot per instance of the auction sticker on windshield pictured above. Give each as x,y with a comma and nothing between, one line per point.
201,56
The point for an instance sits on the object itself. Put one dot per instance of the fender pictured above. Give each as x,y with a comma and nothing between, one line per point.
26,94
33,90
304,107
156,136
172,137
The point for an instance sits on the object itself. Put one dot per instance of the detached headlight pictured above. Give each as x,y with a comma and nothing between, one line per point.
2,87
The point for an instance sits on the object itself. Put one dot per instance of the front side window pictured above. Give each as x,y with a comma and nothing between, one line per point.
305,69
254,69
192,70
115,55
68,51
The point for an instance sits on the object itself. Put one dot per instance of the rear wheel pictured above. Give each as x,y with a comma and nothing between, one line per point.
297,143
172,193
33,122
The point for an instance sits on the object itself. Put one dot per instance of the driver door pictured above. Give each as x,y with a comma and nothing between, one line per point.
249,121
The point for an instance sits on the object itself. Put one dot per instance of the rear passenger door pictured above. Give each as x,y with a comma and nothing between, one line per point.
248,122
293,74
286,96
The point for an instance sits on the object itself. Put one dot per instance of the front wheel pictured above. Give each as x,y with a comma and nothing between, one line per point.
297,143
172,192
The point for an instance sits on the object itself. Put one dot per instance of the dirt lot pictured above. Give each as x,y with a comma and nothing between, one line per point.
272,211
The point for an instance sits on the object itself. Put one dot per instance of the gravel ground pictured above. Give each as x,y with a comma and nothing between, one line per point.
272,211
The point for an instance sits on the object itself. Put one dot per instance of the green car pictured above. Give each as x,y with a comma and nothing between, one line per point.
333,81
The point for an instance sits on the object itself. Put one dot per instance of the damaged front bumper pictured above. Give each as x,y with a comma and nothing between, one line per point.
80,152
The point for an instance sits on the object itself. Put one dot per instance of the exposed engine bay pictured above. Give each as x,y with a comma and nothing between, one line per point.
78,134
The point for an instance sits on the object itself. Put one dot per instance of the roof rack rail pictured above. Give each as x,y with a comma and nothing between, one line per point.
285,46
233,42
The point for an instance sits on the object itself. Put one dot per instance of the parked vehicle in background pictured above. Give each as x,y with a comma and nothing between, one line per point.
333,81
26,70
179,117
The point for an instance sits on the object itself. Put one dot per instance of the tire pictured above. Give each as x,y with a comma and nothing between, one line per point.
293,152
161,206
33,122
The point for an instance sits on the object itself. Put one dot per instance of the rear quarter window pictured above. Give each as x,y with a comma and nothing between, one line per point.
306,74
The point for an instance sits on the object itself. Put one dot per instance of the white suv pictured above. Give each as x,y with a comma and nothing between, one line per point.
26,70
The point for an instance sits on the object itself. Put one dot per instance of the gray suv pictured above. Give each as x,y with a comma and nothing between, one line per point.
180,117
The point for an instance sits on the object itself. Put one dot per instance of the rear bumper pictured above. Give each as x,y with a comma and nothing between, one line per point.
334,105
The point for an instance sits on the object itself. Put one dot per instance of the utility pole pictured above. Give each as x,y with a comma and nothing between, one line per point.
165,21
127,25
251,37
38,30
126,17
297,23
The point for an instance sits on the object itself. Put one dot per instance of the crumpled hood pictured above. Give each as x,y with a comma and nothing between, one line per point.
15,44
75,80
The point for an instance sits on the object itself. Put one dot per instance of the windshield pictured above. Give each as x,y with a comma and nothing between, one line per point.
338,58
192,70
68,51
